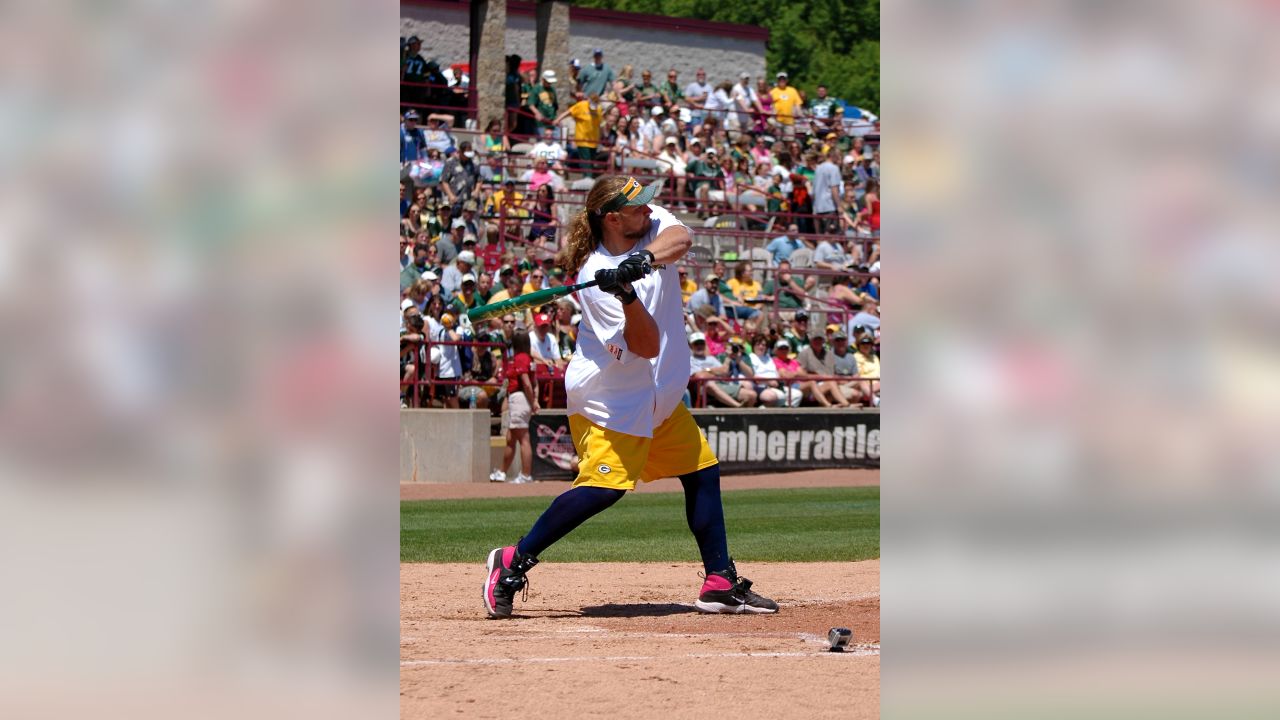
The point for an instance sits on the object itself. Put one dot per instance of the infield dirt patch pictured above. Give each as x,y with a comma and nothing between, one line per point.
623,640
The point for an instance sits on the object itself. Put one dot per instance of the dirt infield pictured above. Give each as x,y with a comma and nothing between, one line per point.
622,640
805,478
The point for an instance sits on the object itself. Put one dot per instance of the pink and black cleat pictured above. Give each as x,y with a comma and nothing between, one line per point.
505,577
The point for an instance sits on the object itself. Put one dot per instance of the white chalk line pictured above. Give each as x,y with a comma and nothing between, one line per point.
859,651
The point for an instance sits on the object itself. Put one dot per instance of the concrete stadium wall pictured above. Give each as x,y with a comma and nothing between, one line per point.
444,446
445,31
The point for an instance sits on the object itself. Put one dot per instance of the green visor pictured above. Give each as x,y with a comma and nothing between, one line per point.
633,193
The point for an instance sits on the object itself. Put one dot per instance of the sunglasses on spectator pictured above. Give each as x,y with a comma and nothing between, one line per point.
536,276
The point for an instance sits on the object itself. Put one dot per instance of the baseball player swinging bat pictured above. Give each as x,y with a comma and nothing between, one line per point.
533,299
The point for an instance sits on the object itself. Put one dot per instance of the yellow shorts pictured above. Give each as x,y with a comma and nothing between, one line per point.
610,459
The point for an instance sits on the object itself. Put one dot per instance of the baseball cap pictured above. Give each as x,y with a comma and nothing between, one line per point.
697,337
782,344
575,63
469,238
712,276
781,73
839,335
802,315
429,275
413,39
712,151
406,304
542,319
558,272
467,256
744,75
411,115
549,76
471,205
597,51
468,278
632,193
657,111
458,223
817,336
671,141
832,327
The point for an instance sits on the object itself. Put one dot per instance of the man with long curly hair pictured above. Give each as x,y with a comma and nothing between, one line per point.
625,384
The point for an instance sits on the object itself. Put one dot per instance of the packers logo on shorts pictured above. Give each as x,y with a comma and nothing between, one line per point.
604,469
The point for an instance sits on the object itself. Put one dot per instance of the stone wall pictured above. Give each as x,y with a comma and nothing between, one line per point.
445,33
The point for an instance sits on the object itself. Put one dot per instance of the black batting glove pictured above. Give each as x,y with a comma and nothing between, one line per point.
610,281
636,266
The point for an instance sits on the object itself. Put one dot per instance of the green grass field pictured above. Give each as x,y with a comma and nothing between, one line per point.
791,525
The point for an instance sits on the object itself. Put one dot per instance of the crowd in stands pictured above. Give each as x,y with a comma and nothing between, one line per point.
793,179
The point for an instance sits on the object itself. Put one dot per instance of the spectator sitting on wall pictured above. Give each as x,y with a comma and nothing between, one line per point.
846,366
788,370
816,359
868,367
771,391
737,389
797,332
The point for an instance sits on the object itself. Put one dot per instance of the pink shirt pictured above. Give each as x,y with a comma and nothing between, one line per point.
538,179
788,364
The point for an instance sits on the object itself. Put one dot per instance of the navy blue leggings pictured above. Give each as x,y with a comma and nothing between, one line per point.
705,514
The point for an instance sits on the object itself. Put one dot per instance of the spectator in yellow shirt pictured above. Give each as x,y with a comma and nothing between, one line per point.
687,287
586,130
788,105
506,202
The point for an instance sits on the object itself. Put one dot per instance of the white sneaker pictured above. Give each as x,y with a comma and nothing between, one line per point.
497,476
522,479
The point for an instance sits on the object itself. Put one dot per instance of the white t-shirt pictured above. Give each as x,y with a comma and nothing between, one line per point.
748,96
706,362
605,382
545,348
762,365
450,366
553,152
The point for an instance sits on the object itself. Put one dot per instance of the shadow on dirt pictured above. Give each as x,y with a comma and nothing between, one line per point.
637,610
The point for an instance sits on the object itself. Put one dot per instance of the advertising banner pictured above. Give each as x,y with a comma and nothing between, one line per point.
747,441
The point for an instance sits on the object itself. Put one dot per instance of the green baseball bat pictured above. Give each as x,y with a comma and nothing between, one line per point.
533,299
523,302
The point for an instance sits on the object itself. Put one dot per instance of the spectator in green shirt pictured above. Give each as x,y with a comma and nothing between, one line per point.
670,90
542,100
